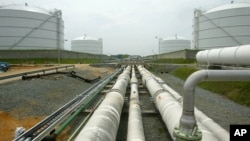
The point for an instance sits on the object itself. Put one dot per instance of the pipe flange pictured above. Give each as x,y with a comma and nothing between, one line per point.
197,135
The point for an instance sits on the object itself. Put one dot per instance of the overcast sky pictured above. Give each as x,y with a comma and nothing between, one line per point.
126,26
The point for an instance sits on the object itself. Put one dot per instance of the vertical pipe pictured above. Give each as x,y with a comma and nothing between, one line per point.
135,126
187,120
170,108
208,123
104,123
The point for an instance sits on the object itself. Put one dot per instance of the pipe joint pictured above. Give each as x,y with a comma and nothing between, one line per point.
157,93
195,136
118,91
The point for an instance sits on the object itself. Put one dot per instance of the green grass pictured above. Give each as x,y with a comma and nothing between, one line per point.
175,61
183,73
236,91
51,61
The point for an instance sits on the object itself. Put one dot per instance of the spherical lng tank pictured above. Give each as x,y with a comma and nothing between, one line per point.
223,26
87,45
24,27
172,44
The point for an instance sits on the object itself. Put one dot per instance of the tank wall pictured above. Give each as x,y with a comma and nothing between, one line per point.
16,24
173,45
223,28
87,46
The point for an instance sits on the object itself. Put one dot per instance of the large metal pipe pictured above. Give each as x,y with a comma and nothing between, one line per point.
168,107
135,126
238,55
104,123
187,120
169,104
202,119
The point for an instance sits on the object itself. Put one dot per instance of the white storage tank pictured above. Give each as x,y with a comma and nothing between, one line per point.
172,44
223,26
24,27
87,44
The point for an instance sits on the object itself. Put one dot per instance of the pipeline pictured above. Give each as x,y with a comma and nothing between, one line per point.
189,91
200,116
74,75
83,122
135,126
37,71
104,123
169,104
70,74
168,107
237,56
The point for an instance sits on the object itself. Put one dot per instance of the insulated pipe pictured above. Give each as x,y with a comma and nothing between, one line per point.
135,126
104,123
187,120
168,89
168,107
201,117
171,109
238,55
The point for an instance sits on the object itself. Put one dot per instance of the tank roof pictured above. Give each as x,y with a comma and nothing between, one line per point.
25,8
86,38
229,6
176,38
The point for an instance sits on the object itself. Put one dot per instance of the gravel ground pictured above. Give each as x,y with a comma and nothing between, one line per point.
220,109
42,96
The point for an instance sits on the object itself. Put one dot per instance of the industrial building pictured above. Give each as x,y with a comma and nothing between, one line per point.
172,44
87,44
24,27
223,26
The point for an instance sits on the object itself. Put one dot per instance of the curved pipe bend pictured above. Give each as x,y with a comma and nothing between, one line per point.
187,120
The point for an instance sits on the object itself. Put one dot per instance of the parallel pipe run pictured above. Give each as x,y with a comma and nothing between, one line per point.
135,126
188,121
205,123
104,123
169,104
168,107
